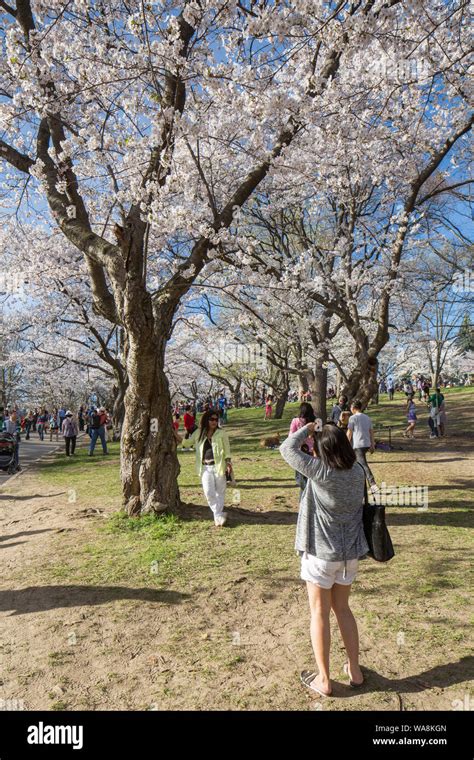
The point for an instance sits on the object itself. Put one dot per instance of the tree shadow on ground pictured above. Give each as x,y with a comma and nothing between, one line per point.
25,533
441,676
432,517
42,598
460,483
268,480
418,461
237,516
259,487
8,497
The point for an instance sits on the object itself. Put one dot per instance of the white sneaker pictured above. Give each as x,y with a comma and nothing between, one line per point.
220,520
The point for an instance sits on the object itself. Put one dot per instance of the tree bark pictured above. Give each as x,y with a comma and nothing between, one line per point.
303,385
362,384
280,404
149,463
236,394
318,389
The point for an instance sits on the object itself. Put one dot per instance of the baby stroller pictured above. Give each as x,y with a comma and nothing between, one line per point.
8,444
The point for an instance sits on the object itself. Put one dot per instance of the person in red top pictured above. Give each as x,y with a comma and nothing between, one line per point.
176,420
189,421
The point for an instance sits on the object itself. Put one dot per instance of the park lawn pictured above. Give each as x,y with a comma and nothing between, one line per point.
172,613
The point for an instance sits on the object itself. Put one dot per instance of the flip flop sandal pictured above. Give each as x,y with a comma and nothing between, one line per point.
307,679
352,684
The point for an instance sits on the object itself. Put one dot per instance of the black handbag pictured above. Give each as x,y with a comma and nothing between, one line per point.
376,531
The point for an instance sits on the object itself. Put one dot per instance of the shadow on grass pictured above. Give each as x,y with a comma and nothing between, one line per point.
238,516
241,485
459,484
440,676
453,519
419,461
42,598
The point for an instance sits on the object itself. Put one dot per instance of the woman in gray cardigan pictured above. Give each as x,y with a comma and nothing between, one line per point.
330,540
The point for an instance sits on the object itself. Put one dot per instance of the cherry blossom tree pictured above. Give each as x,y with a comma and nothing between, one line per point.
141,129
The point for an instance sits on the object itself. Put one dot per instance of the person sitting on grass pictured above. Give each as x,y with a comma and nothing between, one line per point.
330,540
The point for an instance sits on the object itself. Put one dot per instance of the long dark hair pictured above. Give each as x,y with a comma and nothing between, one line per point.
334,448
204,422
307,412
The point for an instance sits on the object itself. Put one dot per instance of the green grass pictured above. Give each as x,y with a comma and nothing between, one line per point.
160,550
227,574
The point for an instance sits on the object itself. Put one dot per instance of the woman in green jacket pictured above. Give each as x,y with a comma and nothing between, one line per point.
213,461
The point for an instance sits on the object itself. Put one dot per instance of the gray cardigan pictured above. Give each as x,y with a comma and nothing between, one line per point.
330,515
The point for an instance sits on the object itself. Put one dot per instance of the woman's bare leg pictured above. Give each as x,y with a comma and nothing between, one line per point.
320,607
348,627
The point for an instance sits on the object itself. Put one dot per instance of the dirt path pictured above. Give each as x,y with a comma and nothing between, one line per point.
234,644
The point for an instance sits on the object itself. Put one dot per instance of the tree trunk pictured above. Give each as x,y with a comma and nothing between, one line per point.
236,394
280,404
149,463
118,408
253,392
303,385
318,389
362,384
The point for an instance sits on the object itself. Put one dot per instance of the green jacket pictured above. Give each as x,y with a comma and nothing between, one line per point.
220,449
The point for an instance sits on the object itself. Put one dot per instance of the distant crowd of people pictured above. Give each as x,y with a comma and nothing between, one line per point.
95,422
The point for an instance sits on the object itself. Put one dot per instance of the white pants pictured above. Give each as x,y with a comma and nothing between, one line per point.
214,488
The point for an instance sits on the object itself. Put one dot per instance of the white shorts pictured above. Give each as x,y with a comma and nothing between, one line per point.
325,574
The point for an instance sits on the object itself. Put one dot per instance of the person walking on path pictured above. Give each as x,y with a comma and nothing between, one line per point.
97,430
213,461
360,433
390,389
330,540
69,431
41,423
28,424
11,427
305,415
53,425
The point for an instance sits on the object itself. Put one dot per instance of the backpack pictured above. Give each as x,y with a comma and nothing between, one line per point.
95,421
